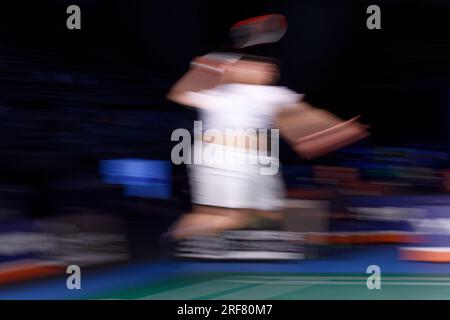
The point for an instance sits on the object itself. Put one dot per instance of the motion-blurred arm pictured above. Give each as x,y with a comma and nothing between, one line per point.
204,74
313,132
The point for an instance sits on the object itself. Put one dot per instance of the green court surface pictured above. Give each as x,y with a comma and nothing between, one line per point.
260,286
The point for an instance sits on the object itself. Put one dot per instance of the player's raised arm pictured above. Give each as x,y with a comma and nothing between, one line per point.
205,73
313,132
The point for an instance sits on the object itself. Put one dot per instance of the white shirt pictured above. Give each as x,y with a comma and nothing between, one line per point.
242,106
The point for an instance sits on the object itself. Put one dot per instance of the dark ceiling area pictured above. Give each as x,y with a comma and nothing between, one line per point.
128,53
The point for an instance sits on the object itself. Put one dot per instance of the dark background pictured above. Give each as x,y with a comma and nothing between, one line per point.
69,98
128,53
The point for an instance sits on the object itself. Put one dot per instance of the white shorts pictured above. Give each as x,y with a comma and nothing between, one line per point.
239,183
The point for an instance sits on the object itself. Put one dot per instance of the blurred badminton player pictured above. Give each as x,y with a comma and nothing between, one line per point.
236,91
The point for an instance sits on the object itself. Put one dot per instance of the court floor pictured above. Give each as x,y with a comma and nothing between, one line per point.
341,277
289,287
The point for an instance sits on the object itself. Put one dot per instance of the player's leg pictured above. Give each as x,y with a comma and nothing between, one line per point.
267,219
209,220
271,194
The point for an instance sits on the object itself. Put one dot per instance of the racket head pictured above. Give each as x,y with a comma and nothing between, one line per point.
264,29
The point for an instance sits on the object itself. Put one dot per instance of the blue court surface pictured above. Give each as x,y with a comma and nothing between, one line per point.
341,277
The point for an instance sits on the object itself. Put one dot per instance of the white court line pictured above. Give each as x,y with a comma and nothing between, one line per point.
194,291
340,278
312,282
279,285
261,292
